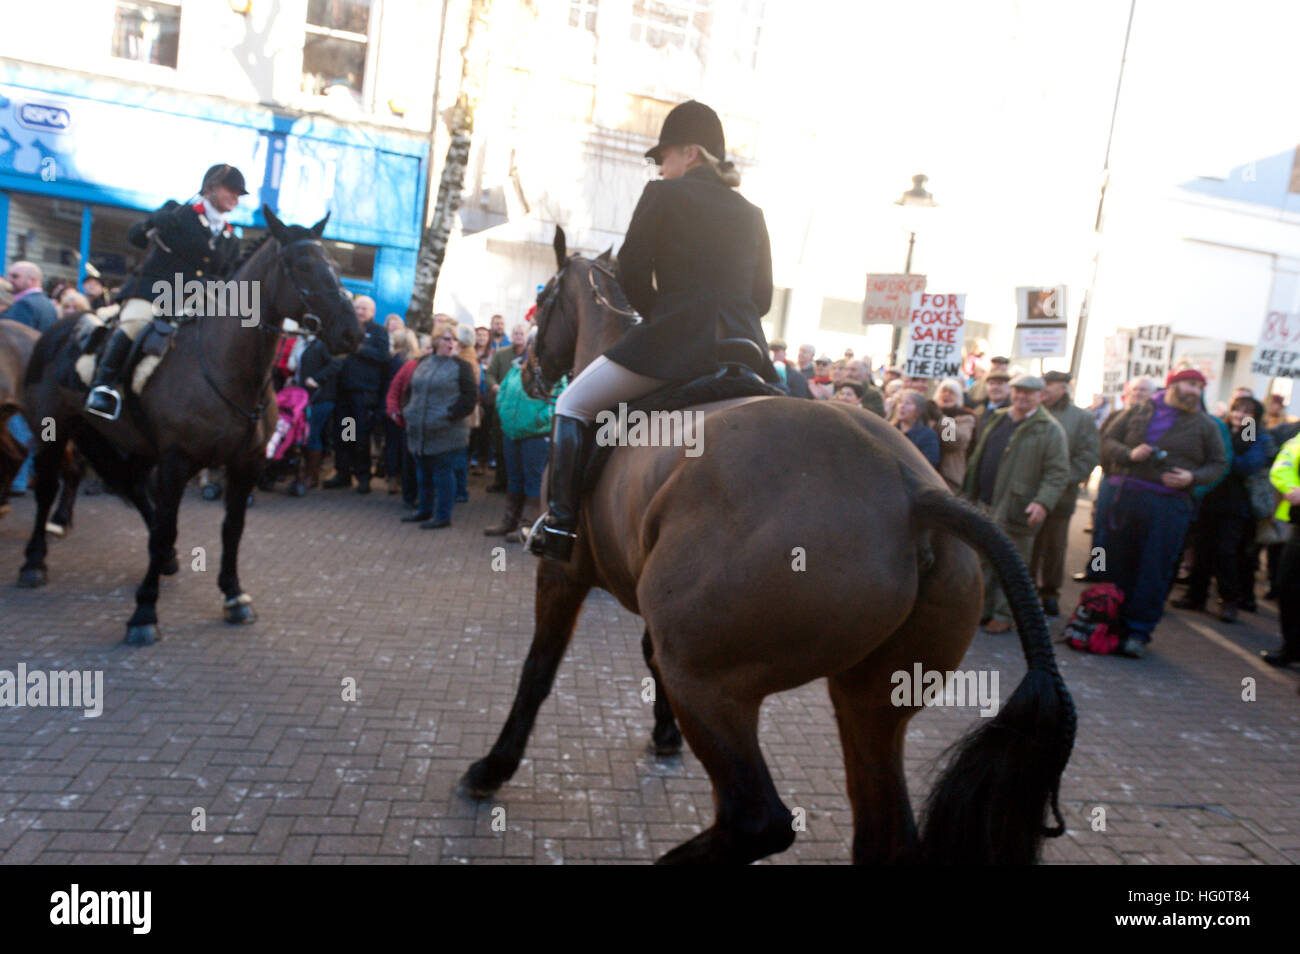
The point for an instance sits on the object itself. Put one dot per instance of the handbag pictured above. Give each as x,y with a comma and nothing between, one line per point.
1263,498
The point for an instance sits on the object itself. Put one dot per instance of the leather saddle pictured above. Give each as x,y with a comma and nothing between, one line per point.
739,357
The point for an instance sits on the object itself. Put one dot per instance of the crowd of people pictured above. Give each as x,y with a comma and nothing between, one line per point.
1188,496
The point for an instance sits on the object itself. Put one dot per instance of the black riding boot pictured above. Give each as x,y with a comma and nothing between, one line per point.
571,445
104,399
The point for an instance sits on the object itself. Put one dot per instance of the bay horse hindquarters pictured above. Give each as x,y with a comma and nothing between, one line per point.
209,404
840,555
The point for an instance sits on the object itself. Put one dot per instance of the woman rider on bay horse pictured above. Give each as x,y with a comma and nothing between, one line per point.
697,266
193,241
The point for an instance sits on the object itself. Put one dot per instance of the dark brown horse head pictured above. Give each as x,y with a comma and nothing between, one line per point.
580,312
311,293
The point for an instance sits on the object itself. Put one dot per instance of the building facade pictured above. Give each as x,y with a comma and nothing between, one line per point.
103,123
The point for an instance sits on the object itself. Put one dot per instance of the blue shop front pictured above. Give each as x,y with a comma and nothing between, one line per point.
81,158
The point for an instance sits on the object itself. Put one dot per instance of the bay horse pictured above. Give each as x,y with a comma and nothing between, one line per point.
209,403
17,342
698,546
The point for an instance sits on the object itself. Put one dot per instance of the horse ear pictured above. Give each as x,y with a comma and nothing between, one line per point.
319,228
560,248
273,224
606,256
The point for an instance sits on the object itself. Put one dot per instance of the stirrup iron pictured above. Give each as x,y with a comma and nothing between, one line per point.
105,391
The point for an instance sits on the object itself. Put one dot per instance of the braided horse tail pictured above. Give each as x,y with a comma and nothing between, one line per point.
989,804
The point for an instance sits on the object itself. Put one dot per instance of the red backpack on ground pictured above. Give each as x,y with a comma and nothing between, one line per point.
1094,627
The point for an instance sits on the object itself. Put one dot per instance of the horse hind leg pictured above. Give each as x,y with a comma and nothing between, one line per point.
34,573
666,739
872,736
72,471
751,820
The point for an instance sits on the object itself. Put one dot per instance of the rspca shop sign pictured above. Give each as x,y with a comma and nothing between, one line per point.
43,117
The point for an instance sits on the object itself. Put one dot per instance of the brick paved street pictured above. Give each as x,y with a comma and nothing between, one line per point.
249,723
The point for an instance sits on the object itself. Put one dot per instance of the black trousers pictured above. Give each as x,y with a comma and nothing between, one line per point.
1220,543
498,450
355,416
1288,594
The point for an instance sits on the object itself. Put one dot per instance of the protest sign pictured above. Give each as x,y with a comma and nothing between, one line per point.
935,333
889,298
1277,355
1149,356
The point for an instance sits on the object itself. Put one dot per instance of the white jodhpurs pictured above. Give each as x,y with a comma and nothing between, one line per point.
603,384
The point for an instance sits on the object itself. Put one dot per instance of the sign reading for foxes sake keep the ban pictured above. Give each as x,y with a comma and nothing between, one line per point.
934,336
1277,355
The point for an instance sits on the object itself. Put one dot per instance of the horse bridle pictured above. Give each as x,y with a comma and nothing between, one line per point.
304,330
546,301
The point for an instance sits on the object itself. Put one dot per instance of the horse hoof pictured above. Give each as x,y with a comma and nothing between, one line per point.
212,492
141,634
473,784
240,614
56,529
32,578
665,749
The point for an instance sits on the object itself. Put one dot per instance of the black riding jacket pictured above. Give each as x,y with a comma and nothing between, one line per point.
697,266
185,245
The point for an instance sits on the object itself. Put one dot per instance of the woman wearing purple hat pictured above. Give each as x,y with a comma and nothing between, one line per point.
697,266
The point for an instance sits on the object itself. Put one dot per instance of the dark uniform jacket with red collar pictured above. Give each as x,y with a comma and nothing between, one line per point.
186,245
697,266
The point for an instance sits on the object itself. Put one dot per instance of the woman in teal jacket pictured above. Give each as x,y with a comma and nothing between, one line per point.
526,441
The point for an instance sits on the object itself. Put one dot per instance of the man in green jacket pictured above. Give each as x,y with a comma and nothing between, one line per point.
1047,566
1017,473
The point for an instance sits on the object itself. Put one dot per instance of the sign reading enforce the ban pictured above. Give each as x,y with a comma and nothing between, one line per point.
934,336
889,298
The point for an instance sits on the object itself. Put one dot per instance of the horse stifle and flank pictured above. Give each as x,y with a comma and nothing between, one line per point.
701,548
209,404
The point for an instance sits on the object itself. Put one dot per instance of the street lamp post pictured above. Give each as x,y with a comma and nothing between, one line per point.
914,198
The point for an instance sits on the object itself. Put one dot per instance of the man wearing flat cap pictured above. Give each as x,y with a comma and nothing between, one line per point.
1016,474
1047,567
1158,450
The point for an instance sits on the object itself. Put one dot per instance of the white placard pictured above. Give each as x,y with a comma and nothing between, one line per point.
1149,354
935,332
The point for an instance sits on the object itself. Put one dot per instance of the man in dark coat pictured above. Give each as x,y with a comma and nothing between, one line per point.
361,387
31,306
186,243
697,266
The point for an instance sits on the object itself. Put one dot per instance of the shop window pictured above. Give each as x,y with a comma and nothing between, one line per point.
582,14
334,50
354,262
675,24
147,31
643,115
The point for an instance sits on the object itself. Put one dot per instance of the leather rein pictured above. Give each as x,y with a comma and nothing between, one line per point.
547,303
303,295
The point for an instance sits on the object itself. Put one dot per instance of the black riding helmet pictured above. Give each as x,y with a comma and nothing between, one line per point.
691,124
224,174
